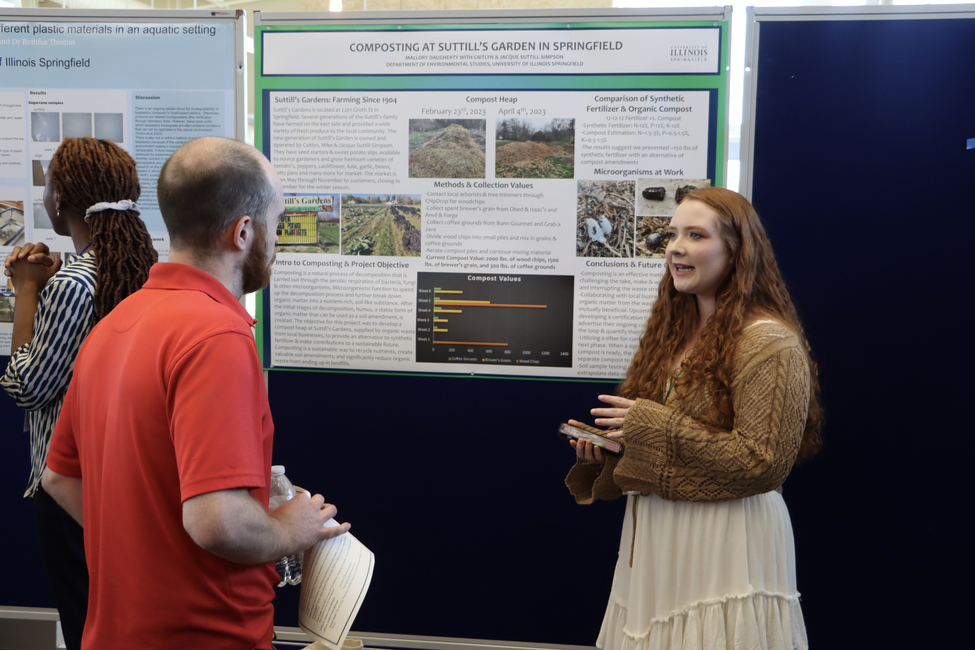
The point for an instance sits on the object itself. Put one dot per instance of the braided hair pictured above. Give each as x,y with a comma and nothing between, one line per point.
86,171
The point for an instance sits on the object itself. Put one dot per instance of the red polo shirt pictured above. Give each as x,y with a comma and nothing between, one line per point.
168,402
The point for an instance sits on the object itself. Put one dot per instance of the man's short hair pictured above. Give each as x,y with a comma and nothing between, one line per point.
208,184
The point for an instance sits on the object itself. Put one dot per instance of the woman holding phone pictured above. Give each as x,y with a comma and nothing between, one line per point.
719,402
90,193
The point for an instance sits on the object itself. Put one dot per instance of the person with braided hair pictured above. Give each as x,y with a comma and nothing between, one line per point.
90,194
719,402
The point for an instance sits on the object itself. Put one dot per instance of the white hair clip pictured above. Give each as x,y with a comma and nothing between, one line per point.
122,205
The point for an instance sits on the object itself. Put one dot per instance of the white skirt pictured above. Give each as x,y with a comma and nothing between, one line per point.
705,576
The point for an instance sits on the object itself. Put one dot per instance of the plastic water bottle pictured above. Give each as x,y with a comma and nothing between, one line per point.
289,568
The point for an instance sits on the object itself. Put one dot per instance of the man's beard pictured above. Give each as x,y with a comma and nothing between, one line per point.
256,271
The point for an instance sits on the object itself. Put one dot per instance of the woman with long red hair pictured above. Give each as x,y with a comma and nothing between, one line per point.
719,402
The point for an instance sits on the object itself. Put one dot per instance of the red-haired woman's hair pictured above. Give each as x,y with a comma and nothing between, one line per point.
752,288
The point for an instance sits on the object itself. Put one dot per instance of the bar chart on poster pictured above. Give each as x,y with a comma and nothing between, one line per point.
503,320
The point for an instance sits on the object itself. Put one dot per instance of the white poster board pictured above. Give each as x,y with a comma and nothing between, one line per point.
480,192
147,80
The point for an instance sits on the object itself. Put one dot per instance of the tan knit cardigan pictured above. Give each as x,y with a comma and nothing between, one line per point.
669,452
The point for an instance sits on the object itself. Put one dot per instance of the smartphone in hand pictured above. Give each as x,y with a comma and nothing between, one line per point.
608,445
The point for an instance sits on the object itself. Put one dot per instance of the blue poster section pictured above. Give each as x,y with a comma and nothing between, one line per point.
22,583
116,53
862,175
457,486
47,60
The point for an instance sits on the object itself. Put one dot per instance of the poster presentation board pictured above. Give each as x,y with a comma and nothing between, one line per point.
480,192
146,80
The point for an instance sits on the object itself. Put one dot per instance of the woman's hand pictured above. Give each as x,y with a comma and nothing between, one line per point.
40,253
612,417
30,265
586,452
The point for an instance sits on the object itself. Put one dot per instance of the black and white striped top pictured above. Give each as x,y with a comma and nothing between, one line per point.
38,374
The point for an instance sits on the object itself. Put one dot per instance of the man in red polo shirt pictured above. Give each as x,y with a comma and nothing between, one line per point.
164,439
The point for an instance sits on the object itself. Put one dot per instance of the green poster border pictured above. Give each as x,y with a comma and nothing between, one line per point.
718,81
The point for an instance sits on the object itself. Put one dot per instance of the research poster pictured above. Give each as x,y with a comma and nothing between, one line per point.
146,86
480,198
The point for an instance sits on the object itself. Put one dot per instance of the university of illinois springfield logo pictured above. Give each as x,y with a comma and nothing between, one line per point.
688,52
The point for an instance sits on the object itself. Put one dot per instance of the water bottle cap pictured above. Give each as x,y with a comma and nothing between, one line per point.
277,470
